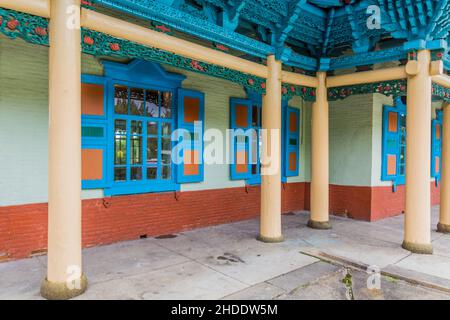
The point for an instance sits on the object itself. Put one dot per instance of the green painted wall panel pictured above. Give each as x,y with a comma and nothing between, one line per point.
305,139
24,104
378,101
217,112
351,141
24,122
24,118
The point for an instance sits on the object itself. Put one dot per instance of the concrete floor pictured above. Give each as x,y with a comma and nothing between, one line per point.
226,262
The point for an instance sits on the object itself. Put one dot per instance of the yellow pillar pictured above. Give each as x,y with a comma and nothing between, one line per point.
417,236
444,217
271,174
319,158
64,268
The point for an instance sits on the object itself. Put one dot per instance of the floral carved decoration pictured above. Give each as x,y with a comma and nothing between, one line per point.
34,29
30,28
441,92
394,88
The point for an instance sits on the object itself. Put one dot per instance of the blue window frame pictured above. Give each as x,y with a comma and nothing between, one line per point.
191,114
246,114
291,142
436,146
143,120
240,118
248,141
255,141
141,111
394,144
94,133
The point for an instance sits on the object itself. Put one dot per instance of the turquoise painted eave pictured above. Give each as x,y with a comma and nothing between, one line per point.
300,32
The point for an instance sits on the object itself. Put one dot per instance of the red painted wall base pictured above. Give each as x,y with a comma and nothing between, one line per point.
23,228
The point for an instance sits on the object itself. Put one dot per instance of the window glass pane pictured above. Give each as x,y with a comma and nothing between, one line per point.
242,139
195,137
137,101
152,127
120,174
255,113
157,163
136,127
402,160
166,105
254,158
402,144
166,172
120,127
152,103
136,149
136,173
151,173
191,136
166,128
403,120
120,143
152,150
121,99
120,147
166,156
166,144
166,152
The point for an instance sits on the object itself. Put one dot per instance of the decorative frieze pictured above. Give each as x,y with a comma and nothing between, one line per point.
441,92
30,28
34,30
393,88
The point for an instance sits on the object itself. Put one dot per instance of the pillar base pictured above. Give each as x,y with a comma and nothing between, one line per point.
444,228
419,248
59,290
270,239
320,225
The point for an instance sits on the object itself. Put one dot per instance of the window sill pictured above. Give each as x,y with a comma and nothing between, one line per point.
129,188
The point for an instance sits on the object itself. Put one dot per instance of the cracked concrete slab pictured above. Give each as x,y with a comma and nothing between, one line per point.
261,291
21,279
127,258
189,280
303,276
435,265
228,262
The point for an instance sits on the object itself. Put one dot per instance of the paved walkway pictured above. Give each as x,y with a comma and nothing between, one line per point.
227,262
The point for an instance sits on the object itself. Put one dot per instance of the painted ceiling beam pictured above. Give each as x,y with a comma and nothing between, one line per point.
366,58
294,59
439,25
447,64
282,33
299,79
326,36
229,16
191,25
361,43
39,8
121,29
327,3
442,80
364,77
308,30
374,57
